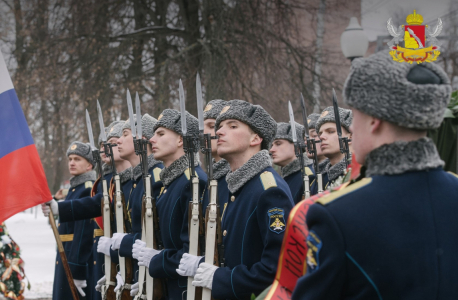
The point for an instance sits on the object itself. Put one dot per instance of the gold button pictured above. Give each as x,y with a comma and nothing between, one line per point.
58,224
232,198
135,185
57,262
94,262
73,190
165,191
94,241
224,232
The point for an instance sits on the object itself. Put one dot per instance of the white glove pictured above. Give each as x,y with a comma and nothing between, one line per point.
188,265
116,240
46,208
145,256
80,284
119,282
6,239
134,289
204,275
103,246
139,244
99,284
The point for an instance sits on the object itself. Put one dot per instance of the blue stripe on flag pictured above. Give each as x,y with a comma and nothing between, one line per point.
15,132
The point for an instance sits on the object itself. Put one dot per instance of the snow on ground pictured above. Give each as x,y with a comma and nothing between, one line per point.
32,232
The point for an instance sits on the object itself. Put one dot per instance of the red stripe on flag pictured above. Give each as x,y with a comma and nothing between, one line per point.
22,182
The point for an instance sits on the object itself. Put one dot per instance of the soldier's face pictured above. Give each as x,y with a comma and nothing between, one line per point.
126,144
235,137
165,144
314,135
78,165
209,128
330,140
282,152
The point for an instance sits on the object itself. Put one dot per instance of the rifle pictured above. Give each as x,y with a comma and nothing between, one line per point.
194,217
213,221
299,148
343,141
311,145
125,264
107,290
154,288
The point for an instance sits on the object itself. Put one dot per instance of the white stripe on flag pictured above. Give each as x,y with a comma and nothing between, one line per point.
5,80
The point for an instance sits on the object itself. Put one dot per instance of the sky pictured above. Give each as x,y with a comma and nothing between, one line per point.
375,13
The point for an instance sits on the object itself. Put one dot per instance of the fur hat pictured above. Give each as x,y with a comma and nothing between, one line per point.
148,123
126,124
254,116
409,95
311,120
81,149
114,129
346,116
213,108
171,119
284,132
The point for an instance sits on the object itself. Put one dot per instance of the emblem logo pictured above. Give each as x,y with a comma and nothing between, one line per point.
160,117
420,43
226,108
276,219
324,114
112,128
73,147
308,121
208,107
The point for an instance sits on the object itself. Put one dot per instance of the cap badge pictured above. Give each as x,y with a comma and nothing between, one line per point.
226,108
160,117
73,147
325,113
208,107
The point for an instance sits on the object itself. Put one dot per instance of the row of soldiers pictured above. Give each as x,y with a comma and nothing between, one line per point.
395,219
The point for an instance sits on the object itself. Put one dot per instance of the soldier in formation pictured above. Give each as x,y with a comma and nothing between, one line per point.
348,236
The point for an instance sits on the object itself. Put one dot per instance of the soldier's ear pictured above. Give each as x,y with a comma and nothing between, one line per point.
255,140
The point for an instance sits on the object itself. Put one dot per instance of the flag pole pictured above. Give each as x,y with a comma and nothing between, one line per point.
63,257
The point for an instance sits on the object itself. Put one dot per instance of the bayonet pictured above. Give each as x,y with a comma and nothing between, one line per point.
299,148
89,130
102,126
139,132
184,129
200,109
131,115
304,117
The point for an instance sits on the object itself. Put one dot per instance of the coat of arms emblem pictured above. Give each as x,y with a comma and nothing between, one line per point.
420,43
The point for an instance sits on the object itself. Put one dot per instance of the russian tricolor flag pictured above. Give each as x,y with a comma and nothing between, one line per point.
22,178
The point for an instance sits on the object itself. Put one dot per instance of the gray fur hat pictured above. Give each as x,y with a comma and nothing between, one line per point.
171,119
115,129
148,123
311,120
213,108
254,116
81,149
284,132
408,95
346,116
108,128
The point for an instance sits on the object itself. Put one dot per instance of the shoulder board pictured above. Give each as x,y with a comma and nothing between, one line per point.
187,173
344,191
308,172
453,174
268,180
156,174
88,184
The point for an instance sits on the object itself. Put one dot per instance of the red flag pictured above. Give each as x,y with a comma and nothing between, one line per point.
22,178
